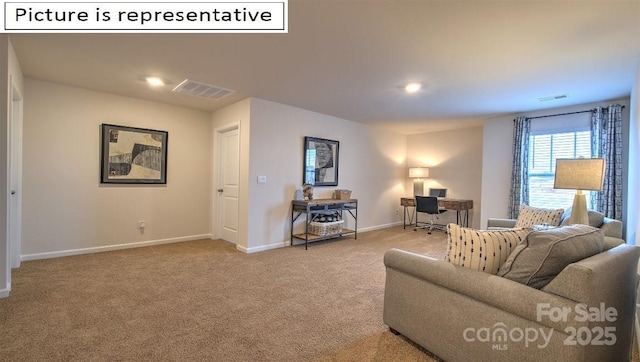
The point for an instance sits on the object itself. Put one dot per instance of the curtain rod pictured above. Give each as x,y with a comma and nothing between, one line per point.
566,114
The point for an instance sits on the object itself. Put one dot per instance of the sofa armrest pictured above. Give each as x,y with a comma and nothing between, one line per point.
599,278
495,223
612,227
605,280
501,293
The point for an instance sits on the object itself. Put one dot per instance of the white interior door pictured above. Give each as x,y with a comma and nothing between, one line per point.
228,180
15,178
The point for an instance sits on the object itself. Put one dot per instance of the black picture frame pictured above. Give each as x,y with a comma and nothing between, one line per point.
131,155
321,158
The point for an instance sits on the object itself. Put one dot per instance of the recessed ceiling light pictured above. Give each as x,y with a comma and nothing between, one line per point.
155,81
412,87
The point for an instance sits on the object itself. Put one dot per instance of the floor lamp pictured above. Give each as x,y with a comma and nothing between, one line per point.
418,173
579,174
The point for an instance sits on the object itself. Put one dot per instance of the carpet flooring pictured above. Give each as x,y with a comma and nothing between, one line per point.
204,300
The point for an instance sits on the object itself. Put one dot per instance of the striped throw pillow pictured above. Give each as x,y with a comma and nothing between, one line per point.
529,216
483,250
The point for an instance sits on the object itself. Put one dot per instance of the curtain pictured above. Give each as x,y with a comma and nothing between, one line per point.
606,142
519,166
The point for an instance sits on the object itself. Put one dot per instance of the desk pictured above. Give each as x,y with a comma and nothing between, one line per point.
450,204
407,202
316,208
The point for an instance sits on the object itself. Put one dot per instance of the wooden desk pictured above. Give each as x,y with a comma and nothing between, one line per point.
458,205
407,202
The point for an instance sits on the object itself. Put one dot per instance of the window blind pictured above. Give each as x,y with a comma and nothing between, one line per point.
544,149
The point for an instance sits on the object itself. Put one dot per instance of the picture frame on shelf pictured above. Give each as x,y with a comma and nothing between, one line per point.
131,155
321,158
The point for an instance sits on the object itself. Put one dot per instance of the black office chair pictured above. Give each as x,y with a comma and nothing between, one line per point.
429,205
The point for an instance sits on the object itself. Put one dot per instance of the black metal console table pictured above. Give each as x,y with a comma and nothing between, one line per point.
314,209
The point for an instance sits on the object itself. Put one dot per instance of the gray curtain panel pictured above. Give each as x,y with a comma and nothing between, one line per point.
519,166
606,142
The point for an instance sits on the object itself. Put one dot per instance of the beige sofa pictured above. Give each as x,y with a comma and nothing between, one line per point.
460,314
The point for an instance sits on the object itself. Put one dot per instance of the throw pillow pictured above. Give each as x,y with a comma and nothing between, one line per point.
483,250
545,253
529,216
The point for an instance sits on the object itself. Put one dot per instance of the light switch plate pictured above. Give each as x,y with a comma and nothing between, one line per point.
262,179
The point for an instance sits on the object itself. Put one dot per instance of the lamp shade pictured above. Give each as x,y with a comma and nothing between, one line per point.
418,172
579,173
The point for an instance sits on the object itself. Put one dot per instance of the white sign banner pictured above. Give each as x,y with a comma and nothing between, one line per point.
151,17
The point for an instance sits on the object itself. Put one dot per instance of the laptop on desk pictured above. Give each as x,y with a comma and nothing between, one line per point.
439,193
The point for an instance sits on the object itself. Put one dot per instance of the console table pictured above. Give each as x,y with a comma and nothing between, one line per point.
450,204
313,209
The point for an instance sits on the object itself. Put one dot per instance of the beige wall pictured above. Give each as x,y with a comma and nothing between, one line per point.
496,168
633,197
67,211
65,208
371,162
14,70
497,154
454,159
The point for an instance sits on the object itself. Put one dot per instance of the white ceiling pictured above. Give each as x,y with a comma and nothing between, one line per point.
350,59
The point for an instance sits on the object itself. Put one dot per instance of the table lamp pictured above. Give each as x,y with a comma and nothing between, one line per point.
579,174
418,173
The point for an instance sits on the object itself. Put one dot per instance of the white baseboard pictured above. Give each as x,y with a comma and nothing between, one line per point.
379,227
361,230
97,249
4,292
262,247
58,254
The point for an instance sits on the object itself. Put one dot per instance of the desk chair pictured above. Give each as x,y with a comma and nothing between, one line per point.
428,205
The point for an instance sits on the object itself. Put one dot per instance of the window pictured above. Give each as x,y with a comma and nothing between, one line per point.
543,151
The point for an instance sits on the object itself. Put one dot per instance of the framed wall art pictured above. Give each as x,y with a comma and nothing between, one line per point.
132,155
320,162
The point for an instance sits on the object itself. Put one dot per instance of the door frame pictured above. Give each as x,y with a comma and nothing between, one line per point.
219,132
14,178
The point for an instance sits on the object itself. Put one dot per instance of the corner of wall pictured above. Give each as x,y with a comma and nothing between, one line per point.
633,176
633,210
5,271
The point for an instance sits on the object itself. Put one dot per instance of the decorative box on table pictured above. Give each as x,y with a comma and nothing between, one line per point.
343,194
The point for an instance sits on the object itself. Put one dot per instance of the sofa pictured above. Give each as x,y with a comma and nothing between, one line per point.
585,313
612,228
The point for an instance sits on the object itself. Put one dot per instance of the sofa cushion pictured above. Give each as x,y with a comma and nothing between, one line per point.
529,216
483,250
596,219
545,253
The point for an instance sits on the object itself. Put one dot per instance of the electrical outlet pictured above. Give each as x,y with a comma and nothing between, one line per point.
141,225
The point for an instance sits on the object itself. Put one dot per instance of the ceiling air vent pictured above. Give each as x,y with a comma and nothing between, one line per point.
552,98
199,89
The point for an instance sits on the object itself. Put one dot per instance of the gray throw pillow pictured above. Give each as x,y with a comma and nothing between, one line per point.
545,253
